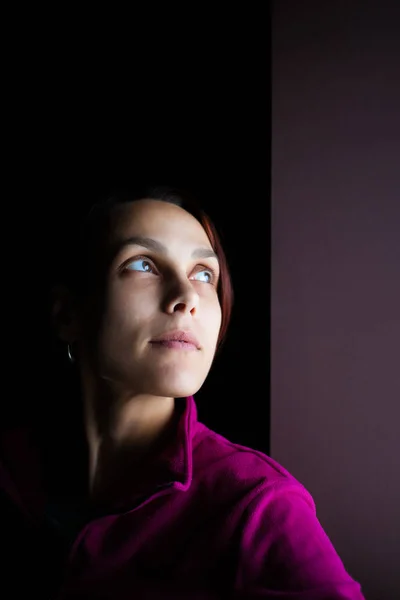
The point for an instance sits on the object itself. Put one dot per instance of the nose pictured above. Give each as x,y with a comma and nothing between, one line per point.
181,297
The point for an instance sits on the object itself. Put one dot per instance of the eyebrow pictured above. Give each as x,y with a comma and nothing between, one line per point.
157,246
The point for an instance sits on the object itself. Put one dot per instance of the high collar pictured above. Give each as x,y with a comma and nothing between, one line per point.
171,466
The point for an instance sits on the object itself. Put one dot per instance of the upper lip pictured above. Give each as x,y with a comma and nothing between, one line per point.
178,336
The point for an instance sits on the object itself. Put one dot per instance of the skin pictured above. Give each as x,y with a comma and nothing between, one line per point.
129,383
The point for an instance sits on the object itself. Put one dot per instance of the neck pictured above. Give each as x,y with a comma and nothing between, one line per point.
122,432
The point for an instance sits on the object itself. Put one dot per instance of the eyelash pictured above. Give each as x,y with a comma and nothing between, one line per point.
214,275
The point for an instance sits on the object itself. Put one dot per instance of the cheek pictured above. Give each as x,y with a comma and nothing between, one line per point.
127,308
212,321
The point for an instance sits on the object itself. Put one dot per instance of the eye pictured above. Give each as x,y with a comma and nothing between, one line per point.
140,264
204,275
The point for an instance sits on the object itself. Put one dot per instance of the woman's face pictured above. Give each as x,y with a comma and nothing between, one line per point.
157,327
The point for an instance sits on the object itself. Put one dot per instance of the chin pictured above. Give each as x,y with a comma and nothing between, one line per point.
179,386
180,390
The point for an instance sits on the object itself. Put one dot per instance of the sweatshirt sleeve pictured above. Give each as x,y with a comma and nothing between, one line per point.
285,553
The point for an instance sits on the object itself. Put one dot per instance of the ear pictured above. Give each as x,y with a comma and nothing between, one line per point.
64,314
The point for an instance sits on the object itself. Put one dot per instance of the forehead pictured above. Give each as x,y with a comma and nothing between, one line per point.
157,219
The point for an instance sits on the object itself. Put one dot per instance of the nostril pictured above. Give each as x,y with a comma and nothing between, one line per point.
179,307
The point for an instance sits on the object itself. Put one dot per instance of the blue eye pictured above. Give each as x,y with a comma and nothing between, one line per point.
140,264
206,276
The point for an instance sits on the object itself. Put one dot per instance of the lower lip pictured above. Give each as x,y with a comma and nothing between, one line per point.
175,345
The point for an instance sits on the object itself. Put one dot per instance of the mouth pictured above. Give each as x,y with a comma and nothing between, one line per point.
178,340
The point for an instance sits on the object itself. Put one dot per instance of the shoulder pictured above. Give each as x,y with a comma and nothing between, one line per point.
242,471
278,539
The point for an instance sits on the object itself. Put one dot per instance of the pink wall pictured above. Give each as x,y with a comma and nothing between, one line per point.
335,330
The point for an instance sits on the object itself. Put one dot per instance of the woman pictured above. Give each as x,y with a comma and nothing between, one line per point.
171,509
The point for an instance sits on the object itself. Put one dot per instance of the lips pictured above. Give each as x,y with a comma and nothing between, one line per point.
183,338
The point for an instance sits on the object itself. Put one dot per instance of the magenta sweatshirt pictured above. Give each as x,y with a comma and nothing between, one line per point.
215,520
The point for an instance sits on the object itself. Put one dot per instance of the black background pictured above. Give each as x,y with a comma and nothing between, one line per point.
99,100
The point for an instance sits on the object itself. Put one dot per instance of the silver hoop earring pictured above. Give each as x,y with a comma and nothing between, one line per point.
70,355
